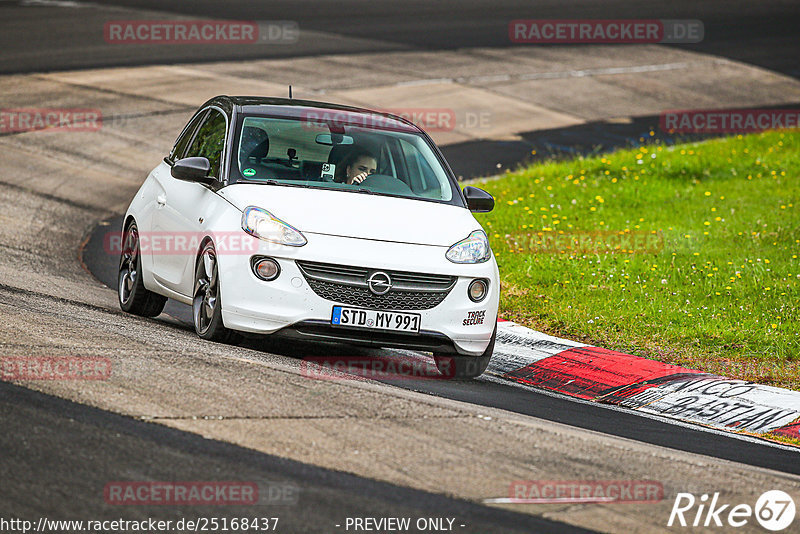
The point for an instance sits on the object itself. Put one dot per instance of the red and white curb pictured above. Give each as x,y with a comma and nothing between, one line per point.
605,376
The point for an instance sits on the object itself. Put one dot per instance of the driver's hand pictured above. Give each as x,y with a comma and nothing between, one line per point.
360,178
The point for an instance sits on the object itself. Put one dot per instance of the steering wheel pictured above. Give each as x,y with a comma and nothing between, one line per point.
386,183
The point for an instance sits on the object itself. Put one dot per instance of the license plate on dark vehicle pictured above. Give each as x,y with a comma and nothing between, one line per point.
375,319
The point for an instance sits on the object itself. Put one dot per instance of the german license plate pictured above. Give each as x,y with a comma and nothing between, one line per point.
376,320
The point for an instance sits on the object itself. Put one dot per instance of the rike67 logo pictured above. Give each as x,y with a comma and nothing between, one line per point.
774,510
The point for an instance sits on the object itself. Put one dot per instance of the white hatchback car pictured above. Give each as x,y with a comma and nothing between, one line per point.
298,218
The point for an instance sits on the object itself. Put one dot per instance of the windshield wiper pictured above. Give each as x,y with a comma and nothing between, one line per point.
276,182
271,181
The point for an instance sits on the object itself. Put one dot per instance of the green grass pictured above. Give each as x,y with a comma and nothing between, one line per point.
705,272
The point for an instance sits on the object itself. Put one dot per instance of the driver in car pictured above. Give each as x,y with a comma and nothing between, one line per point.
359,164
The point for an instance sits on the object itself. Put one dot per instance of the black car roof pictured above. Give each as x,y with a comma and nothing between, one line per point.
293,107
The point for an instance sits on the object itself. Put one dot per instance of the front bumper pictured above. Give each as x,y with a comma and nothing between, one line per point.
289,305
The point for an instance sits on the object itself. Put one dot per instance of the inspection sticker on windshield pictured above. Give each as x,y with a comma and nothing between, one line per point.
378,320
249,172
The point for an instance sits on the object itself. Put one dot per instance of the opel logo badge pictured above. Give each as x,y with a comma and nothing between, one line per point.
379,283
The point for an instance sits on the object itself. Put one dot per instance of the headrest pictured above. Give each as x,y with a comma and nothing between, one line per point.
255,143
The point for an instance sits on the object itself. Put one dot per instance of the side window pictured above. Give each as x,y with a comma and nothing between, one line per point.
210,140
422,177
412,160
183,141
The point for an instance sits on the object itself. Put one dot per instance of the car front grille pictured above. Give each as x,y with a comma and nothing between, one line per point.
346,284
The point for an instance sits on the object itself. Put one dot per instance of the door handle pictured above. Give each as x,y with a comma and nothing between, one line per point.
161,199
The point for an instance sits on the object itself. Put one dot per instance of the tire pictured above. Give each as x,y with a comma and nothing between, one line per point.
206,302
133,296
460,367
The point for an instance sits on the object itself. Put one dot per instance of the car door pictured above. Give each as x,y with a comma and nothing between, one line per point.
178,220
156,184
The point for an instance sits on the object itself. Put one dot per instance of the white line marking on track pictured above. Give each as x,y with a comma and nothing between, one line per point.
55,3
606,71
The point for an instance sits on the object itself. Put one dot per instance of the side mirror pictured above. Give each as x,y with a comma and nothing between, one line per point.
478,200
192,170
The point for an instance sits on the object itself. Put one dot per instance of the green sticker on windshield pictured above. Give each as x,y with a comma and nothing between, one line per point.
249,172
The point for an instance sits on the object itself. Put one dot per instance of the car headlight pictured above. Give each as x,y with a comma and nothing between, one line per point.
262,224
473,249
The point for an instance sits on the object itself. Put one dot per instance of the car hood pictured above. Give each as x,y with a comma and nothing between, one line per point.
322,211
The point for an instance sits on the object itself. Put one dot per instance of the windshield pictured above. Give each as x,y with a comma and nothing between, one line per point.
357,158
